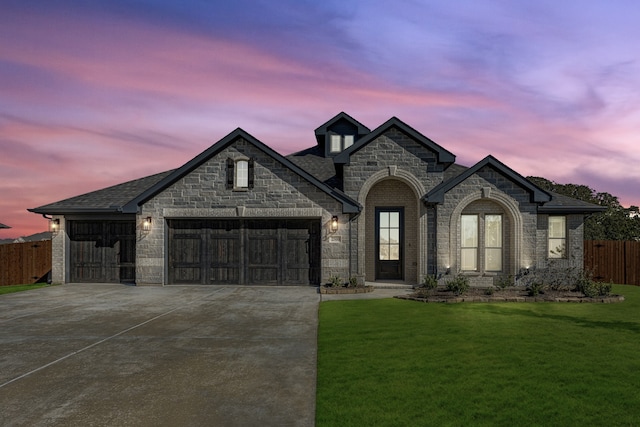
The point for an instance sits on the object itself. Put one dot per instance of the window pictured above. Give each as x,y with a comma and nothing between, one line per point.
493,242
242,174
557,237
481,228
469,242
339,143
239,174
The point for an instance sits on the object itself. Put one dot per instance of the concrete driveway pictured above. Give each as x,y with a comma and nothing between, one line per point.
96,355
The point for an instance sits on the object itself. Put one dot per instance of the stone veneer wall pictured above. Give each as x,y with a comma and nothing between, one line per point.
398,157
490,186
277,193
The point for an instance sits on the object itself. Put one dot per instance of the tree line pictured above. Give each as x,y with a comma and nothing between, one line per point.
616,223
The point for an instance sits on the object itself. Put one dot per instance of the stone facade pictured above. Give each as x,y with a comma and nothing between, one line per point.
390,167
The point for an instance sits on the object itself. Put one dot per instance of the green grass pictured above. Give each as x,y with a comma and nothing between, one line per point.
404,363
20,288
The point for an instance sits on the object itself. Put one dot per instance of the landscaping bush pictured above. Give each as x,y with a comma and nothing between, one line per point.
504,281
335,282
458,285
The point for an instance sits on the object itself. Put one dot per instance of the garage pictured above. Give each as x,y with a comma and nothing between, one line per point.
102,251
244,251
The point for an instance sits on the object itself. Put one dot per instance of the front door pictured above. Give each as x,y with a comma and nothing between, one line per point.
389,243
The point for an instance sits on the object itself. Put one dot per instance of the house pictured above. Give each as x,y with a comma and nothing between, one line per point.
387,204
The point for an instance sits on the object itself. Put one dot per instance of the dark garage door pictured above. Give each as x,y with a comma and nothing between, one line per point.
273,252
102,251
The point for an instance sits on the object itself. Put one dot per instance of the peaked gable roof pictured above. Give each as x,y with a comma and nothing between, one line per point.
322,130
436,195
348,205
443,155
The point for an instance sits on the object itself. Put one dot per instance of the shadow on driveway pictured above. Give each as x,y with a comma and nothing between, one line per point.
180,355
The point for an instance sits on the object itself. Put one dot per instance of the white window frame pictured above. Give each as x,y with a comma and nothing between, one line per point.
496,246
241,174
339,143
557,237
476,246
469,242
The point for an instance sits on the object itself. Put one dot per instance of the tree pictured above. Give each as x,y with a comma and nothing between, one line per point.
616,223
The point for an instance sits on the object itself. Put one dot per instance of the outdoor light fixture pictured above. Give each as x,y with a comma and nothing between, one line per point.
448,270
54,225
334,224
146,225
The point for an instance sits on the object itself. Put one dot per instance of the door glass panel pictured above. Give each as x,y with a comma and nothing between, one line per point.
389,236
384,220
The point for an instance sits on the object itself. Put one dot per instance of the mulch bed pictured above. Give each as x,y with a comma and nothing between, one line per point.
509,295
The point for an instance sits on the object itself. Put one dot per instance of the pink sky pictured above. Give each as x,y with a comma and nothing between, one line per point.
93,96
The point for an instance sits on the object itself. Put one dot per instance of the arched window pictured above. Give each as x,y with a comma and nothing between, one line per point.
239,174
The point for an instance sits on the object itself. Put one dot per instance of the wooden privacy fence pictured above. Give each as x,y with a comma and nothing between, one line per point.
613,260
24,263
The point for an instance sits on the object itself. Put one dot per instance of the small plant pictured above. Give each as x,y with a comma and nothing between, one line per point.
458,285
490,290
591,289
536,287
335,282
429,282
353,282
503,282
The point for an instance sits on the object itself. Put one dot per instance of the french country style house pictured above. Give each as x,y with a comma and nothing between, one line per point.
387,205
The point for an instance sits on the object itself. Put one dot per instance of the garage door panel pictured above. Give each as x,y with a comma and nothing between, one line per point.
245,251
224,259
101,251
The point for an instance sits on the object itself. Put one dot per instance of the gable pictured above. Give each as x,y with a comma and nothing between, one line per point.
441,155
536,194
279,164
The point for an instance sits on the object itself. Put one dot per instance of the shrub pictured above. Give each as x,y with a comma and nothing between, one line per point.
353,282
503,282
429,282
590,288
535,287
458,285
335,282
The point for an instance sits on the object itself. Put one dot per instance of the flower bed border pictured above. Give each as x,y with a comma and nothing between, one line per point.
497,298
358,290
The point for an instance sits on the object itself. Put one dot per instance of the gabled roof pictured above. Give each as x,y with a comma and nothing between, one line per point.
322,130
436,195
348,205
313,161
443,155
107,200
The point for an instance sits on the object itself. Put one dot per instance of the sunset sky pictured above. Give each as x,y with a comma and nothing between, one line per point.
94,95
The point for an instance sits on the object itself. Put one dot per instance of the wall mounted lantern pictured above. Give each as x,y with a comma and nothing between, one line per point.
54,225
146,224
334,224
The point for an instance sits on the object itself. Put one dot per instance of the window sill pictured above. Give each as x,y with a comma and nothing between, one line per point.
241,190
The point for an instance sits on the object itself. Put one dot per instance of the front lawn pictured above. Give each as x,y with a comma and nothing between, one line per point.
20,288
403,363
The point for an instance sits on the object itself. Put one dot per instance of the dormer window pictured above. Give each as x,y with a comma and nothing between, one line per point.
340,143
